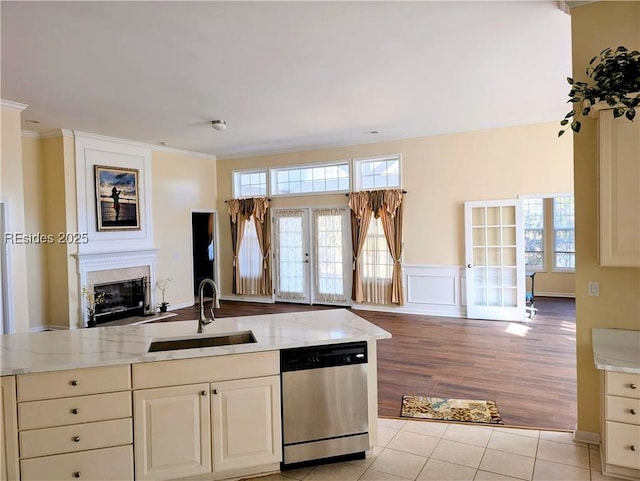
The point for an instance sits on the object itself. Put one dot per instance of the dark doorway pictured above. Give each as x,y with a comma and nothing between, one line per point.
203,238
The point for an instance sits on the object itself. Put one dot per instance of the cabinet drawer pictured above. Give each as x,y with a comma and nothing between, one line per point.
623,409
622,384
620,442
77,437
104,464
73,410
76,382
205,369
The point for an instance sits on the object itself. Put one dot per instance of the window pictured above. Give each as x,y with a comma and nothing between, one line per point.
533,210
249,183
564,234
310,179
377,265
250,259
377,173
549,222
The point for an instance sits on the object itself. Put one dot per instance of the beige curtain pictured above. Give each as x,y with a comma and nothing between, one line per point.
263,231
239,212
360,219
390,214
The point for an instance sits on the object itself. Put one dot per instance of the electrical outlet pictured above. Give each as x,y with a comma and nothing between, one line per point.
594,288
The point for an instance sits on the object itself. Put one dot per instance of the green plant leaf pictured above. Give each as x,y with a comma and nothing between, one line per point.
560,133
630,114
575,126
570,80
564,122
619,112
570,114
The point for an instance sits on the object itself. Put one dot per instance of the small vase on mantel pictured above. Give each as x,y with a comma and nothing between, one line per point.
91,322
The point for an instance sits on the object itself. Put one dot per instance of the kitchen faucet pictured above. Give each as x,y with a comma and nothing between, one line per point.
203,321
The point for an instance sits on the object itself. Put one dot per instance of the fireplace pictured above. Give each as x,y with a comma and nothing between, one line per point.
121,299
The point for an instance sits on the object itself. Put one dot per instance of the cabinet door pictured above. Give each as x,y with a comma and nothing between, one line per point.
8,430
619,143
246,423
172,432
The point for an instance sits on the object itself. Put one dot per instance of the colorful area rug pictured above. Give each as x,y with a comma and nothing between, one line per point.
467,410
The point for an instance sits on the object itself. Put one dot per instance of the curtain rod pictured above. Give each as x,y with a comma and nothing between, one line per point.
404,192
226,201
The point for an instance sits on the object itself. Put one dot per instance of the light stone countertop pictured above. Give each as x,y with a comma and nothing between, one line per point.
106,346
616,350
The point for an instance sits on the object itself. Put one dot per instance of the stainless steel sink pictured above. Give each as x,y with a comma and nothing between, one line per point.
241,337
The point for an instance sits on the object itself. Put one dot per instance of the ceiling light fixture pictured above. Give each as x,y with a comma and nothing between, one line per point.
219,124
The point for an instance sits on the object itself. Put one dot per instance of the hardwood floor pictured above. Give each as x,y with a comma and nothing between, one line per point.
528,369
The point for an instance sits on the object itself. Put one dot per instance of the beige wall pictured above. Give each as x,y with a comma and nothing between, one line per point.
440,173
35,222
181,184
12,189
595,27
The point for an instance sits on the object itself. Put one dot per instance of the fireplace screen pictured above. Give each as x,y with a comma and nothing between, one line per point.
121,299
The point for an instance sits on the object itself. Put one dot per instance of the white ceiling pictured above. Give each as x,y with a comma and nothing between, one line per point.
285,76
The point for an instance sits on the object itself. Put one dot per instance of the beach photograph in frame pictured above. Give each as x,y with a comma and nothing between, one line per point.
117,198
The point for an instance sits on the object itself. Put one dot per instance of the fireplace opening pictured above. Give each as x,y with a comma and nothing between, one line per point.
121,299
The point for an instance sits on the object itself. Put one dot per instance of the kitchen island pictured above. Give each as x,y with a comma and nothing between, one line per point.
127,401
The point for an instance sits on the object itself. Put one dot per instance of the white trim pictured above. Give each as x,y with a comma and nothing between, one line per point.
133,143
8,321
10,105
556,294
586,437
30,134
50,134
182,305
48,327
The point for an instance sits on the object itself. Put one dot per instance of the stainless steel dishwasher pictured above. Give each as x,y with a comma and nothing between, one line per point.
324,402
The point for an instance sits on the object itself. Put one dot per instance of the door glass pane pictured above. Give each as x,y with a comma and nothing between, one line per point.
478,236
509,256
493,215
494,256
478,216
509,236
509,215
509,298
330,252
493,236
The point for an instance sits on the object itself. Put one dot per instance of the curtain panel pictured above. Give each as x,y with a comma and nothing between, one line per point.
385,205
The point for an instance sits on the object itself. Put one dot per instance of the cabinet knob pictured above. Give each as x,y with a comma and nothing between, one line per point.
632,447
75,411
203,393
76,439
74,382
76,474
215,391
632,411
633,386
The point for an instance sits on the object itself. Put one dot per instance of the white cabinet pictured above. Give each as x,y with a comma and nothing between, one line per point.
246,423
229,426
172,432
620,448
619,196
8,430
76,424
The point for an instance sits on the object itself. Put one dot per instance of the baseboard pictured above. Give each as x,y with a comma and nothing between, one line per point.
259,299
48,327
439,311
586,437
182,305
571,295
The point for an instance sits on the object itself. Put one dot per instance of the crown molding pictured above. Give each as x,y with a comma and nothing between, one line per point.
30,134
159,148
8,104
57,133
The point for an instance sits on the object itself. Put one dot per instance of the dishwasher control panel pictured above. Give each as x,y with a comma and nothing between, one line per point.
315,357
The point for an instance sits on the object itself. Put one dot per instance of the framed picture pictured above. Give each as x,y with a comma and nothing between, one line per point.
117,198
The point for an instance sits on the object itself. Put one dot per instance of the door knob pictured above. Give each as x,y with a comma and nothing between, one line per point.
469,266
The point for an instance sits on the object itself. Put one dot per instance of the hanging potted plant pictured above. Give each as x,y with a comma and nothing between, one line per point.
615,80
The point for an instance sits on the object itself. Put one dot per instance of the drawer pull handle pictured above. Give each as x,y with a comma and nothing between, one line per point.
633,386
76,474
632,447
632,411
74,383
76,439
75,411
203,393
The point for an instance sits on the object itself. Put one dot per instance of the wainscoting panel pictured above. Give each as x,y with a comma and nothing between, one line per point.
433,290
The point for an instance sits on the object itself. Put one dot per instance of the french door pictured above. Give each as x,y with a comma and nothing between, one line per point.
312,251
494,245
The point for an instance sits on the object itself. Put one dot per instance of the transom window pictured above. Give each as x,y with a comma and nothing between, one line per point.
319,178
249,183
377,173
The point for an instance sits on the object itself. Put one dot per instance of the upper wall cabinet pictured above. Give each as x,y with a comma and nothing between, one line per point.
619,155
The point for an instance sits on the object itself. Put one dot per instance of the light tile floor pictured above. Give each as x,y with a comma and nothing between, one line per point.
430,451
